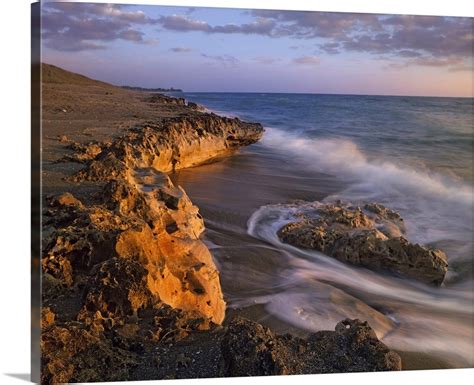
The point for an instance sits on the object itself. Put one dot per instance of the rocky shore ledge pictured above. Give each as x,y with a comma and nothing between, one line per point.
130,291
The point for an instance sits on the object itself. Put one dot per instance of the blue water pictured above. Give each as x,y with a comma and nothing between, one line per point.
412,154
427,132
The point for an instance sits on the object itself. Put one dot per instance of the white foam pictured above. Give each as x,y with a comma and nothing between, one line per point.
436,207
344,158
428,319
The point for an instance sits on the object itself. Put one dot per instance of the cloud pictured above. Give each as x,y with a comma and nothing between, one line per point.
408,53
454,63
84,26
151,42
428,39
305,24
266,60
307,60
225,60
407,37
331,48
180,49
184,23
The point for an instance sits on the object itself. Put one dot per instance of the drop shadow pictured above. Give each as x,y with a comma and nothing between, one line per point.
20,376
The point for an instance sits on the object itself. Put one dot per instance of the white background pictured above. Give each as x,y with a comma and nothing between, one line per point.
15,190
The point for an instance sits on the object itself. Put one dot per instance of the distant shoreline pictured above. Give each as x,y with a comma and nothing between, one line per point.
152,89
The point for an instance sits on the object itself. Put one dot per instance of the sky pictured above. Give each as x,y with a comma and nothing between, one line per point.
235,50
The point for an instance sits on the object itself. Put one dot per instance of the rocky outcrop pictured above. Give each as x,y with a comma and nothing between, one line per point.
170,346
142,215
73,354
130,261
111,270
250,349
146,220
164,99
372,237
166,145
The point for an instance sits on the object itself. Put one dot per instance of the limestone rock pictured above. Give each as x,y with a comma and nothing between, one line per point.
164,99
372,238
353,347
147,220
250,349
170,144
72,354
66,199
117,289
47,317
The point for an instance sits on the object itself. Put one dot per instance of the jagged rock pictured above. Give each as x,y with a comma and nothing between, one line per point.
371,238
195,106
47,317
164,99
353,347
250,349
83,238
151,292
104,167
170,144
180,271
117,289
66,199
72,354
146,219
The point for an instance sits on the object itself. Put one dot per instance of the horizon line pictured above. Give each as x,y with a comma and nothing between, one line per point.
316,93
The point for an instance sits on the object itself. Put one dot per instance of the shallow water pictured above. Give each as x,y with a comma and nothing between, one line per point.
412,154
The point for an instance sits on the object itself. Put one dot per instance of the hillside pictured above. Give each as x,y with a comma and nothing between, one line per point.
56,75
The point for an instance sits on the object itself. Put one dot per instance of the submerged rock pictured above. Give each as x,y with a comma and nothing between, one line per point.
372,238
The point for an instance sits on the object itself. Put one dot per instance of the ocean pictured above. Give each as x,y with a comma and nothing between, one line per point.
412,154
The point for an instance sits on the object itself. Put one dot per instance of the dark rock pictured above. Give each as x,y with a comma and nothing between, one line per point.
72,354
117,289
195,106
372,239
353,347
164,99
250,349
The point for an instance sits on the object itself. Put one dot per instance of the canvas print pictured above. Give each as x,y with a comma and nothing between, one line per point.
234,192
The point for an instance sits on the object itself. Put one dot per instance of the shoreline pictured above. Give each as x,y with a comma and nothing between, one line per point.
113,215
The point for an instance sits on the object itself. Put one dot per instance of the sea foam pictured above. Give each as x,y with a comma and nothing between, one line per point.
436,207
